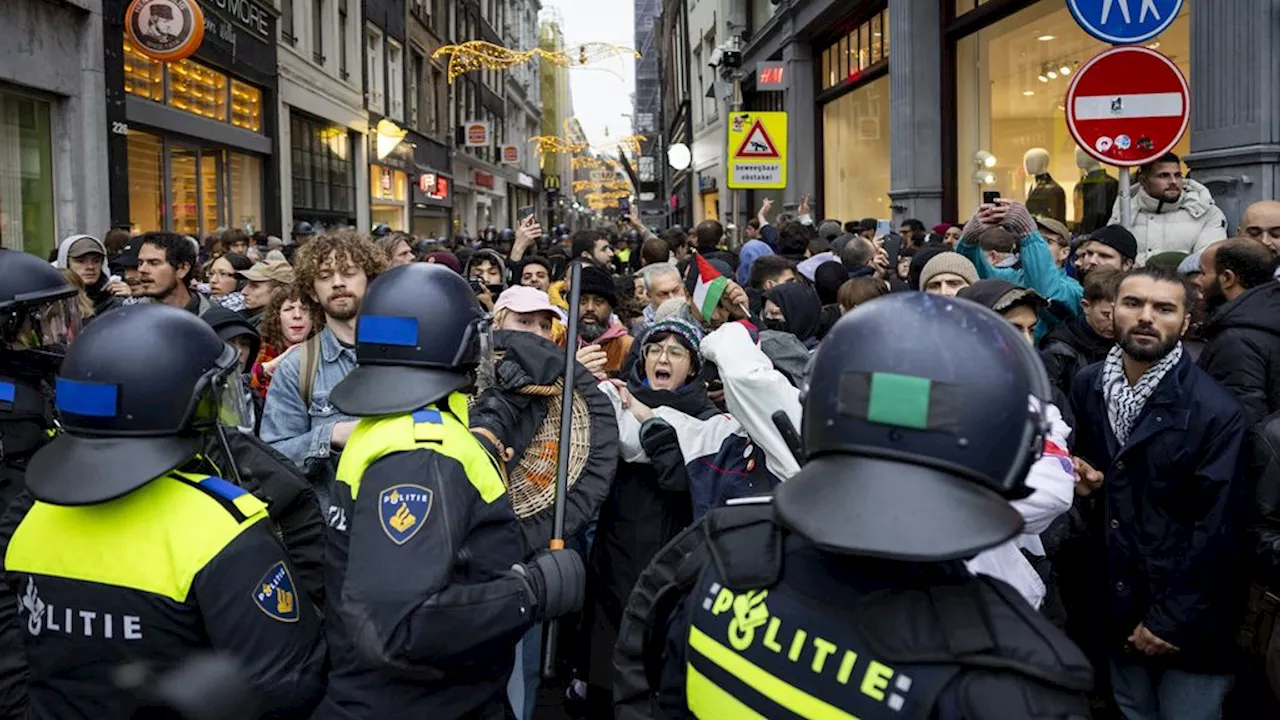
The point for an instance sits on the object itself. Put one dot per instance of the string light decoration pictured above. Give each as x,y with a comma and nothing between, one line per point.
553,145
481,55
584,162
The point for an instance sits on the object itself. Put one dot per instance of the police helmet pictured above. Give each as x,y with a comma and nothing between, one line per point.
304,228
417,340
38,309
507,235
380,230
135,391
922,417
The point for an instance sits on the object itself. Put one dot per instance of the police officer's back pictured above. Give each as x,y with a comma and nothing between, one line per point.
39,316
845,596
129,548
427,592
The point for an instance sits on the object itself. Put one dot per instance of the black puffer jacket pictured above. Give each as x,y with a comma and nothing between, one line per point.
1069,348
1242,350
1264,520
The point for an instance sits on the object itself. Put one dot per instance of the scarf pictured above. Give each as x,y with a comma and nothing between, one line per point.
1125,402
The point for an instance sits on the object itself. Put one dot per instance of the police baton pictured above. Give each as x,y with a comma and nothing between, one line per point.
562,465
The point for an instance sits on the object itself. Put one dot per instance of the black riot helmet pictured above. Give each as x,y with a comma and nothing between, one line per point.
136,391
38,309
506,235
417,340
922,417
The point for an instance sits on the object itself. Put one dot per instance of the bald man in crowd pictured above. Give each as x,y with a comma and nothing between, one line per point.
1261,222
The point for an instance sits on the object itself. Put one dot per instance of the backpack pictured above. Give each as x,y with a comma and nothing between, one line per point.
308,366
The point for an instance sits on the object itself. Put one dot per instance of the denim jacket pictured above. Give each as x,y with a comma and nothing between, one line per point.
302,433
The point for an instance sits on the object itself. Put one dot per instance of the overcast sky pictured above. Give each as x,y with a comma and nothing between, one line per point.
602,90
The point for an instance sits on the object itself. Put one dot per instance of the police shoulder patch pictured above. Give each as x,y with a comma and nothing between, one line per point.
402,510
275,594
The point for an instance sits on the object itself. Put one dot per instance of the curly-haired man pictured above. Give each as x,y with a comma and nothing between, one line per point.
333,269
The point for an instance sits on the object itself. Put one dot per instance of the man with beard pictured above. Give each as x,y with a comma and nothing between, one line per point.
165,263
605,340
593,246
1242,336
1158,445
1082,341
298,420
1170,211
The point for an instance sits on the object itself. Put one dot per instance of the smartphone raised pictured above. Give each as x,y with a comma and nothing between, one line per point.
989,197
524,212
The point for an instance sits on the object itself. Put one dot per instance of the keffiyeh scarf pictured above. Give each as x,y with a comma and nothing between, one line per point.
1125,402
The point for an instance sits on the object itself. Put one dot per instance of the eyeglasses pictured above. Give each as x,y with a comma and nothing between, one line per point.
653,351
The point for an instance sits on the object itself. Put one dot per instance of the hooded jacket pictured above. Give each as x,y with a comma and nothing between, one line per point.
102,299
1189,224
228,325
487,254
1242,350
801,308
1069,348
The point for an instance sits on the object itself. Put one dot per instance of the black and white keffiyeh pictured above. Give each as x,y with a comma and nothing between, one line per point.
1125,402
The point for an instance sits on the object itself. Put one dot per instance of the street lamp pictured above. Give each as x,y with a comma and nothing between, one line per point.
679,157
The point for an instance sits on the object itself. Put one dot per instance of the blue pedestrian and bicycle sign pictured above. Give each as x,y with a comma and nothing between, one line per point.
1124,22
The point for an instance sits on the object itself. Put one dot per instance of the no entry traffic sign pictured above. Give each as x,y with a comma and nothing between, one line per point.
1128,106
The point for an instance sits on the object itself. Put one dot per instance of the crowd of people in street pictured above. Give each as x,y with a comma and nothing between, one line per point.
1148,510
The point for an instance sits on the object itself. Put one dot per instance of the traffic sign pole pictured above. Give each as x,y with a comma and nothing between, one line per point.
1126,199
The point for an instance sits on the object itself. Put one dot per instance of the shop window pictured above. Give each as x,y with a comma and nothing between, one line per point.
855,149
246,191
964,6
146,180
322,177
26,175
143,76
193,87
184,190
246,106
198,89
1012,79
286,22
866,46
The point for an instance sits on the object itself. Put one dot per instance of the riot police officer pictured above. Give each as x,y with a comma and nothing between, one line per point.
846,595
126,546
429,593
39,316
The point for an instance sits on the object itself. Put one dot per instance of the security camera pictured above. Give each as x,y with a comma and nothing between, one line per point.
716,56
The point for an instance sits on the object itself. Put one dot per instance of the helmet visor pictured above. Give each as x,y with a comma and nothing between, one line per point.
235,410
49,326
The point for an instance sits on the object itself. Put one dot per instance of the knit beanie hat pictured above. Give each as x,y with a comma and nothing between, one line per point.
598,282
1118,238
687,333
948,262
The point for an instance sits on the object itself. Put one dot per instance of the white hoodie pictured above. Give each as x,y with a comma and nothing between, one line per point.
1189,224
1052,481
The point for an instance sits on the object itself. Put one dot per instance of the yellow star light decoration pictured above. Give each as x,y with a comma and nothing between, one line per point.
481,55
553,145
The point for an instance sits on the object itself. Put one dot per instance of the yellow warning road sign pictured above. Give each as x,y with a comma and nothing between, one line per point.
757,150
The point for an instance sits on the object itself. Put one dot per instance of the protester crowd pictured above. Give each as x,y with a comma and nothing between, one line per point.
1152,532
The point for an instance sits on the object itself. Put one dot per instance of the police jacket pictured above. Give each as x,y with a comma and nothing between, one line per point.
423,612
1171,514
182,564
26,417
762,624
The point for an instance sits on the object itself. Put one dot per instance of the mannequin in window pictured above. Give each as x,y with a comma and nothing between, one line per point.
1047,198
1095,194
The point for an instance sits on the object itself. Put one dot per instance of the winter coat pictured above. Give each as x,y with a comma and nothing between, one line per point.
1069,348
1264,522
1052,483
1242,350
729,455
1036,269
1190,224
1172,513
648,502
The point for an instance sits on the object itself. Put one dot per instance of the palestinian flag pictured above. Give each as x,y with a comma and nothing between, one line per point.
705,285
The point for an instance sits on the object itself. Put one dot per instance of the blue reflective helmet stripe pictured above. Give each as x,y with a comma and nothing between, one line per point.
385,330
8,391
89,399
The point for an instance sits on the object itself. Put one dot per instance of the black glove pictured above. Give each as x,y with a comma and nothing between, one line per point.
557,582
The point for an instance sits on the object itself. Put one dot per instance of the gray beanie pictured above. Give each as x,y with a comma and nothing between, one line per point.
948,262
